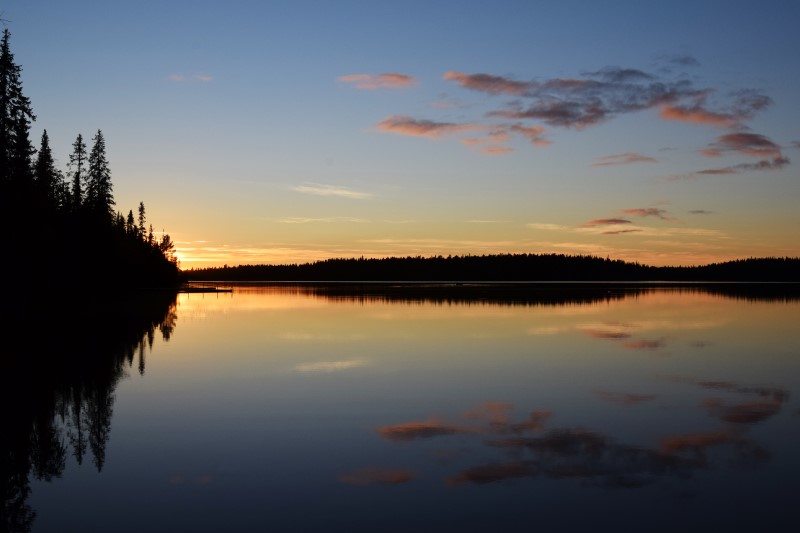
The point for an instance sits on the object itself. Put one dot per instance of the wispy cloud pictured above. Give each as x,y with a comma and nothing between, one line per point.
647,212
391,80
306,220
488,83
744,143
681,60
319,189
331,366
483,221
700,212
605,222
406,125
622,159
546,226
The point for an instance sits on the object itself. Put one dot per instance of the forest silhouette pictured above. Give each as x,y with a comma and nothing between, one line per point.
506,268
61,228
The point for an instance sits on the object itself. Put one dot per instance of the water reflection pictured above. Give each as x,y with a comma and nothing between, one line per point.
530,448
57,388
309,408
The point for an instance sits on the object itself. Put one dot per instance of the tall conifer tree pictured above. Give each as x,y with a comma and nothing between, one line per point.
99,197
77,169
48,178
16,116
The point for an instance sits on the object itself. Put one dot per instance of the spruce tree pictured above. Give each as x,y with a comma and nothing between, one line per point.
16,116
99,197
49,181
77,170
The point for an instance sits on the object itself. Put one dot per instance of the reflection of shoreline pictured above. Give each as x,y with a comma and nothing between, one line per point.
522,293
58,379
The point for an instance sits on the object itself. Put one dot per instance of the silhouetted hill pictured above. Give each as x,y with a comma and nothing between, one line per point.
505,268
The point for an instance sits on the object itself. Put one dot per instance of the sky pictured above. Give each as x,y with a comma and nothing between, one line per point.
275,132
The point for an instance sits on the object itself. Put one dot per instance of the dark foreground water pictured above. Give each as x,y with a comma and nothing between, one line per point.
409,409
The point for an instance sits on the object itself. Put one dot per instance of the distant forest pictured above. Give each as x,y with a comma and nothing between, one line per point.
505,268
61,230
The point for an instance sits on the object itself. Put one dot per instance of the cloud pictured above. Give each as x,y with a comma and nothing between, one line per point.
479,221
534,134
621,231
377,476
645,344
744,105
306,220
605,222
497,136
579,102
331,366
496,150
331,190
680,60
764,164
596,97
700,212
203,77
695,442
420,430
490,84
406,125
647,212
391,80
796,144
744,143
696,114
546,226
622,159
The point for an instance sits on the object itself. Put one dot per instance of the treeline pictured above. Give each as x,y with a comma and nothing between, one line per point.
60,228
504,268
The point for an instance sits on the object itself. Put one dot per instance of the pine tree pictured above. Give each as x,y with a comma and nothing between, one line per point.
16,116
77,169
99,198
142,220
49,180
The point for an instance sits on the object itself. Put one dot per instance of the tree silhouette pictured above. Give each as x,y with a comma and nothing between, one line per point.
16,116
99,198
58,227
49,180
77,164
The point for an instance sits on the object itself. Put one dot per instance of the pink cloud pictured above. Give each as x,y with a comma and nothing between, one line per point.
534,134
697,115
488,83
605,222
405,125
391,80
751,144
647,212
622,159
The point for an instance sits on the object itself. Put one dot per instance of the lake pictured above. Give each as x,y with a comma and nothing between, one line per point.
411,408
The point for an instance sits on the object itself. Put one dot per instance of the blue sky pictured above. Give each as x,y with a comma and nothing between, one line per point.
273,132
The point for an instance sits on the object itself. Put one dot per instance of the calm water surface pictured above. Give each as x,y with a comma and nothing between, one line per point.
295,409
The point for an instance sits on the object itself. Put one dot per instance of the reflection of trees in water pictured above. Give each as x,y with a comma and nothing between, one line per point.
539,294
57,385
